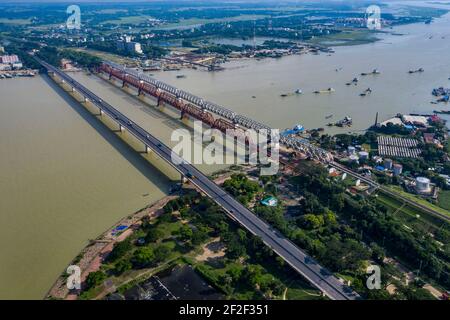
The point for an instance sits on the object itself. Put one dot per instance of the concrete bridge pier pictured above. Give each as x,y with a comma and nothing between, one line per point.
100,112
161,105
139,88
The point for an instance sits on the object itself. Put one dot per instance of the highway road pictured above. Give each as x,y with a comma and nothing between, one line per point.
388,191
294,256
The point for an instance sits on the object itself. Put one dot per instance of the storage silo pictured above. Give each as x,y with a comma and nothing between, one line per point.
423,184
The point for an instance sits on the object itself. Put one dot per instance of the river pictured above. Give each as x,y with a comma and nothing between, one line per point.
65,178
394,90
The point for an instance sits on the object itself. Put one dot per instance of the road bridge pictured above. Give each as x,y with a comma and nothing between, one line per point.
288,251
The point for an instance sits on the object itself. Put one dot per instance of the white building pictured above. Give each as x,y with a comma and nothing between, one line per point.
423,185
363,155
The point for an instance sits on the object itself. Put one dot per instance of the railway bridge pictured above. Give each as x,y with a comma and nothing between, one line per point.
203,110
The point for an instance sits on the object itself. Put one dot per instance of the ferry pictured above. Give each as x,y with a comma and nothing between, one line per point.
347,121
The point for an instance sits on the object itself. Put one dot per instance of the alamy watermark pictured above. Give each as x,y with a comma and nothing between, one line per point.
373,17
236,146
74,20
74,278
374,279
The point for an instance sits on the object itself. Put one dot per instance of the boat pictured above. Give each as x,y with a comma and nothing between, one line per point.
347,121
329,90
416,71
329,116
366,92
298,91
442,111
374,71
295,130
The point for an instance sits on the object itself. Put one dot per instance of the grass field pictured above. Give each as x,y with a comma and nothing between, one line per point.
346,38
15,21
419,200
196,21
444,199
413,218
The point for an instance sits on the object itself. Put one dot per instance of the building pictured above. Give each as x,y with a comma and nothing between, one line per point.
423,185
270,202
5,67
129,46
351,150
9,59
388,164
17,65
363,155
133,47
398,169
420,121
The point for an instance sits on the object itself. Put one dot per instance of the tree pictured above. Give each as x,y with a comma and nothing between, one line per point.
94,279
154,235
200,235
161,253
235,249
312,221
119,250
185,233
143,257
122,266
